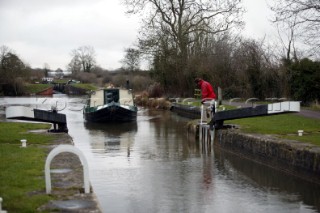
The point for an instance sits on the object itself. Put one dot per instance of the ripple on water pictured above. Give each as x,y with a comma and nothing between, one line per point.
72,204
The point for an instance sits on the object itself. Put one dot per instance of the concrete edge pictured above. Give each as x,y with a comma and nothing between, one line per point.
294,157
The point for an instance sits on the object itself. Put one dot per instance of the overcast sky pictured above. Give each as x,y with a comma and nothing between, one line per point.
46,31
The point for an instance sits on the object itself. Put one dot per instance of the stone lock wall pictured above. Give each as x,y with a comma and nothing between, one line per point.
295,157
70,90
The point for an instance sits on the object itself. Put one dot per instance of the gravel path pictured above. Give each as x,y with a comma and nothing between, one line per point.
310,113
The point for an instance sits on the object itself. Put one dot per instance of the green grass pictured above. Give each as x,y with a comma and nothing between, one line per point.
85,86
22,184
61,81
283,126
13,132
35,88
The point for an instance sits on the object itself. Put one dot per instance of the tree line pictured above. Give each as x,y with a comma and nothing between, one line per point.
16,74
184,39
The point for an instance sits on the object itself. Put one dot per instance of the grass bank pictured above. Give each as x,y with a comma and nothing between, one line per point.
85,86
22,183
283,126
35,88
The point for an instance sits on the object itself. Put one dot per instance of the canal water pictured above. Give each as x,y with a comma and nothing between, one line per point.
153,165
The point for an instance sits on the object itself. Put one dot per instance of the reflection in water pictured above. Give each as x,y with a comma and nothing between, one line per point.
152,165
289,188
109,137
207,172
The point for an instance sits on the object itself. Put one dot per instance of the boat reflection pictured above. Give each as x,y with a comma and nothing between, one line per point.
111,137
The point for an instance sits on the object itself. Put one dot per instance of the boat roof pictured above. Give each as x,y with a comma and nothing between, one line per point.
125,97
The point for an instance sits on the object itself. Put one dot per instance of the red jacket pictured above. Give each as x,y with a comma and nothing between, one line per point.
206,90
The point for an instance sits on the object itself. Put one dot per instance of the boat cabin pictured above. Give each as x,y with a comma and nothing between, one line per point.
107,96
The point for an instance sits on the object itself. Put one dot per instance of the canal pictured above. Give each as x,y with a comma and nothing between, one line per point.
153,165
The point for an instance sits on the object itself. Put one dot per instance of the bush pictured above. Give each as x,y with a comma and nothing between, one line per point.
155,90
106,77
86,77
142,99
119,80
304,82
141,83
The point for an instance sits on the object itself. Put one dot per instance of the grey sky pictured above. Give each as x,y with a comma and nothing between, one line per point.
45,31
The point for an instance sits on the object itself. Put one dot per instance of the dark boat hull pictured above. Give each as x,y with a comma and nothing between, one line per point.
112,113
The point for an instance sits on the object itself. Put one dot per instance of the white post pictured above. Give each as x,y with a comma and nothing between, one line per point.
1,211
202,111
23,143
205,141
300,132
212,135
200,131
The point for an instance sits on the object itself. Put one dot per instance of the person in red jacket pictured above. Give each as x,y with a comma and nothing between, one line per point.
207,94
207,91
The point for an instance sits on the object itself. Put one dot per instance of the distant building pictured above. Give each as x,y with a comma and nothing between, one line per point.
47,80
59,73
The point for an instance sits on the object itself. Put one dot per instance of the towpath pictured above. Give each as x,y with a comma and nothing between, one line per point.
67,180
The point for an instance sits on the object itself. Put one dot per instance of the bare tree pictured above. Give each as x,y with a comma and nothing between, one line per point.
288,35
305,14
46,69
3,51
74,65
181,19
83,59
171,26
255,75
131,59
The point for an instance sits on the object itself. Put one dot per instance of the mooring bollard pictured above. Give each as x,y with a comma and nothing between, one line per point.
23,143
